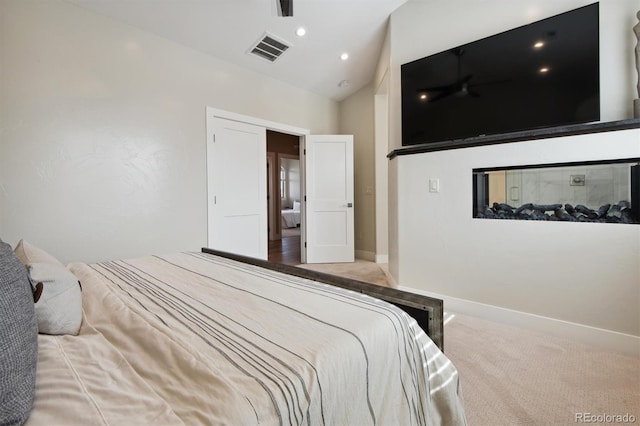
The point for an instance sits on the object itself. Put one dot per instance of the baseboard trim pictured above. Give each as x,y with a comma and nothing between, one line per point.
593,336
382,258
365,255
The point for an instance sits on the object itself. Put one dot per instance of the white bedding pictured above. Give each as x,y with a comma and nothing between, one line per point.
290,218
200,339
84,380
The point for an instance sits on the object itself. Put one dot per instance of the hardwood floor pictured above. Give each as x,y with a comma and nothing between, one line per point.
285,250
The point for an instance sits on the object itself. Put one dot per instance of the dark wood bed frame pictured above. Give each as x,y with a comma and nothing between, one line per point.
427,311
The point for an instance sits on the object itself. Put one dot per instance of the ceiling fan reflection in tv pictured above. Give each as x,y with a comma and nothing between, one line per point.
462,86
539,75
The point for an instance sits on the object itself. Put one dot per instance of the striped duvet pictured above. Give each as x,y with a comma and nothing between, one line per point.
222,342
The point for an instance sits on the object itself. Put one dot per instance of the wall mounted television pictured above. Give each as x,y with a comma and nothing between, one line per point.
544,74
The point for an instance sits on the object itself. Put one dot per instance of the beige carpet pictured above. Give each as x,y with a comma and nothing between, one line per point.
513,376
359,270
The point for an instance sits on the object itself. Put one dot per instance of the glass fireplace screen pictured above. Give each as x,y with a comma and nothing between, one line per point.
600,192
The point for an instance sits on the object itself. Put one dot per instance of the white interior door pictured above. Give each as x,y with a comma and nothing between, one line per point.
237,188
329,198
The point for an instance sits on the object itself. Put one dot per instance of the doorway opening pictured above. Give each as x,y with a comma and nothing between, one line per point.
237,211
284,182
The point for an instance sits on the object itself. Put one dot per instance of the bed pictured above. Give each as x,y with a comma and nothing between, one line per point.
213,338
291,217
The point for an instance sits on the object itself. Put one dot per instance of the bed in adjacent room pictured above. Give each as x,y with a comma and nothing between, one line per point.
203,338
291,217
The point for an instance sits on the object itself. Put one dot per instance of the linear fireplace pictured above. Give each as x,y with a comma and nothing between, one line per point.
593,191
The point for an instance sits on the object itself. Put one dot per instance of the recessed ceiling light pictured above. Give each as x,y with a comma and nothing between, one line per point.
423,96
538,44
301,31
344,56
544,70
343,83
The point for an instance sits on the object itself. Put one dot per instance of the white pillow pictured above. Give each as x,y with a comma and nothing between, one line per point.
59,309
28,253
296,206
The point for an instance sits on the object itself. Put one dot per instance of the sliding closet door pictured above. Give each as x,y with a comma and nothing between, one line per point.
237,196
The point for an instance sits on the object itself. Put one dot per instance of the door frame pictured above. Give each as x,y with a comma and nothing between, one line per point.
271,207
212,113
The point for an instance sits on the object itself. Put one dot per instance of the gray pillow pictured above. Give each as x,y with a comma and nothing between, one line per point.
18,340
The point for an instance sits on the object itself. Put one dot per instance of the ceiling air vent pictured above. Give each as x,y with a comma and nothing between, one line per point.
269,48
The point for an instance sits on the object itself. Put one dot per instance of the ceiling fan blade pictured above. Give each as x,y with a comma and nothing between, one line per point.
489,83
435,88
285,7
459,88
449,87
439,96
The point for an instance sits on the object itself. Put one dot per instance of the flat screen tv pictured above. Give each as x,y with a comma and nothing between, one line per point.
544,74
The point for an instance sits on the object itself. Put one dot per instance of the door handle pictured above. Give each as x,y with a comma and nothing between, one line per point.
349,205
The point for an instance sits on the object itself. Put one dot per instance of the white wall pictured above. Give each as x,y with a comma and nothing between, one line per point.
356,118
382,144
586,274
102,151
381,129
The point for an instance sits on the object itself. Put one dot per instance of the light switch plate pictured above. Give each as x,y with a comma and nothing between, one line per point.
434,185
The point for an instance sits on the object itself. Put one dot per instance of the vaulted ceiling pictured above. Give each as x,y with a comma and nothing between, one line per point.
229,29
